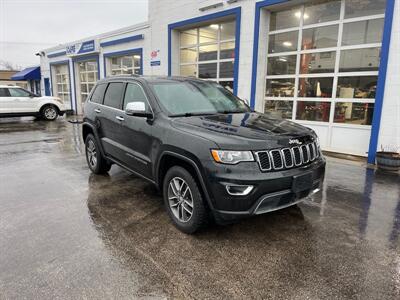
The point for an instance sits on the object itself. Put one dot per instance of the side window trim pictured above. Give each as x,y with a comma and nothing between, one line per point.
144,93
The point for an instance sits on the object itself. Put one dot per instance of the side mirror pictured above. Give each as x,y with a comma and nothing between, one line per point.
137,109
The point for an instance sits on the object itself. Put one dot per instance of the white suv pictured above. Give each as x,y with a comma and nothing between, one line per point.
18,102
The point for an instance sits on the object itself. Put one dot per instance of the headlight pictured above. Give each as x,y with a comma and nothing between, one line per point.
231,157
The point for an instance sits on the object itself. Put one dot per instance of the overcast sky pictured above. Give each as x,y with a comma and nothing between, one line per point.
27,26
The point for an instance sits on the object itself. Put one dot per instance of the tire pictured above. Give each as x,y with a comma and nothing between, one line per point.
49,113
96,162
183,201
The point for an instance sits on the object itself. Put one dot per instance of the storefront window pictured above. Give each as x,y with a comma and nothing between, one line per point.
283,42
280,88
228,31
127,64
321,62
208,70
282,65
188,37
321,12
308,57
61,83
209,52
357,87
285,19
227,50
354,113
88,75
282,109
189,70
315,87
356,60
357,8
364,32
320,37
313,111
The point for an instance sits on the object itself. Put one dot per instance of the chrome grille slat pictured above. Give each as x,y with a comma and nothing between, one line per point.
276,159
286,158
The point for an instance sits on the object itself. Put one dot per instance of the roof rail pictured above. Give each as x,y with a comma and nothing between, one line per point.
124,75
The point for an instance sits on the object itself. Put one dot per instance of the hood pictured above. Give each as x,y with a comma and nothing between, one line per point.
245,130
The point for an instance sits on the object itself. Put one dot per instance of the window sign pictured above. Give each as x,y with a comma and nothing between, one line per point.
155,58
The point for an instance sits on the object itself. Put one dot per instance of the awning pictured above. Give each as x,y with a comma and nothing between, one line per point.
32,73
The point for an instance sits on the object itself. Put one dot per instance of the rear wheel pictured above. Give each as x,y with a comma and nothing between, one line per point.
96,162
49,113
183,200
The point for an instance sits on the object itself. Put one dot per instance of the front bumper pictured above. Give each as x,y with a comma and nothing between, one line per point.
271,190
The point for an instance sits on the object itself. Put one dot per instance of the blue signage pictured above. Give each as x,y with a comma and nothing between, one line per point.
86,47
155,63
82,48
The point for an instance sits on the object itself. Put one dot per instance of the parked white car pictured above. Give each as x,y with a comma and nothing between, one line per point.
18,102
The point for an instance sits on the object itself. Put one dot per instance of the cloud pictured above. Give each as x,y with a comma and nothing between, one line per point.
29,26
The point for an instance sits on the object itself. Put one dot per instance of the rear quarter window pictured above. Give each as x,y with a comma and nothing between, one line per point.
98,94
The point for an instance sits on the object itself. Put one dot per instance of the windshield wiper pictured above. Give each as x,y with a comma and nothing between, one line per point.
192,114
225,112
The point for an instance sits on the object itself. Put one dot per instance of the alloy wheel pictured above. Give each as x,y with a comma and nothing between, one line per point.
50,113
180,199
91,154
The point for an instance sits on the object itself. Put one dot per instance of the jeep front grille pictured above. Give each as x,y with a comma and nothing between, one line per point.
278,159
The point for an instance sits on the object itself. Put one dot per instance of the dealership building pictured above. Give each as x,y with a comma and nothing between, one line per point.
329,65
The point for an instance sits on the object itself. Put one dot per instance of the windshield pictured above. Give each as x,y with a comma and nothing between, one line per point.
197,98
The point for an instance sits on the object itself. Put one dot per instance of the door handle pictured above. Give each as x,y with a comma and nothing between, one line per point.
119,118
97,110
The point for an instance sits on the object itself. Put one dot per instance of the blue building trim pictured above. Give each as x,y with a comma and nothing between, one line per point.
382,69
137,51
80,59
62,62
123,40
259,6
380,89
62,53
236,12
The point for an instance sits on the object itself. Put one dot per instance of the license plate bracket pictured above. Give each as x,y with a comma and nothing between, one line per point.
302,182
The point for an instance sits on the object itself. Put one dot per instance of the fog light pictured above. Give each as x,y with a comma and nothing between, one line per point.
238,190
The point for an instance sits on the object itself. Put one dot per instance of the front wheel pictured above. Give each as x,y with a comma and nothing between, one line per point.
183,200
49,113
96,162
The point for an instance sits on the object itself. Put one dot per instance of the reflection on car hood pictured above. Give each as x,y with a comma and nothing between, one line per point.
242,128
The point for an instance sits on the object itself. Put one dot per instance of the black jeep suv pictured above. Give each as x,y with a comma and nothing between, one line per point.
204,148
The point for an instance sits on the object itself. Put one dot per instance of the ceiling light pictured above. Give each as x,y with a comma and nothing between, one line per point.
297,14
214,26
287,44
282,59
306,16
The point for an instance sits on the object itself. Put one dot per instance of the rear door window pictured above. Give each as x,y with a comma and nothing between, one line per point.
113,96
4,92
98,94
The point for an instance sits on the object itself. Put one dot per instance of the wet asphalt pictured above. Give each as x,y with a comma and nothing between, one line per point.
68,234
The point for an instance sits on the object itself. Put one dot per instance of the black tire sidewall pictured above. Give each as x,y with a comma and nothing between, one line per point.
199,216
